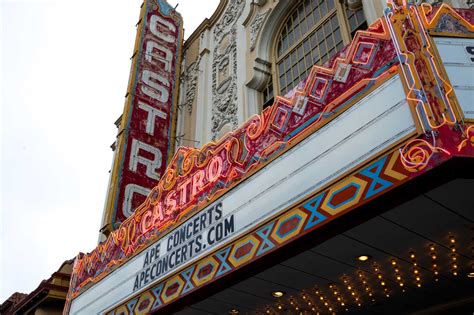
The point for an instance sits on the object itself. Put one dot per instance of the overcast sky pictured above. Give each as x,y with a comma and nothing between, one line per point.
64,70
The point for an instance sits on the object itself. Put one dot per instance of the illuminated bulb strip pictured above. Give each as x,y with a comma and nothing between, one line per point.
398,276
304,296
453,255
352,292
381,279
434,261
363,280
416,271
294,304
311,305
337,295
324,301
367,289
315,310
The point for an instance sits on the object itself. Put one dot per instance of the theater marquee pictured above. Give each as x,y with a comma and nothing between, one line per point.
328,148
144,142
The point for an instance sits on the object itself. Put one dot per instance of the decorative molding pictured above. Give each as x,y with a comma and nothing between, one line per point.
191,78
231,15
256,27
263,43
354,5
260,3
224,69
253,8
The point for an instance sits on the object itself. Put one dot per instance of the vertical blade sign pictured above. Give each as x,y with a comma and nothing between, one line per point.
144,144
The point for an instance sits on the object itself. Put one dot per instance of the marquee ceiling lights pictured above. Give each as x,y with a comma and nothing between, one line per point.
383,279
434,258
453,255
278,294
363,257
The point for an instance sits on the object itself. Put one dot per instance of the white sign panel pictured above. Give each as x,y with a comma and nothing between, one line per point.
457,55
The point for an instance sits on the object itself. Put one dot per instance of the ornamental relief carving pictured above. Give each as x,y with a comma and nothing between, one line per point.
190,79
256,26
230,16
224,69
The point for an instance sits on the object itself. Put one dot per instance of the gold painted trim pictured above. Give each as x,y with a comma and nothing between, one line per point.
175,110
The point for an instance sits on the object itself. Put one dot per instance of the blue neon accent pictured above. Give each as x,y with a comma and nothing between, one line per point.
156,293
373,172
264,233
312,206
187,276
224,266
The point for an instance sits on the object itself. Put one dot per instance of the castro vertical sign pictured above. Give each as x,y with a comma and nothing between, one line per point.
144,143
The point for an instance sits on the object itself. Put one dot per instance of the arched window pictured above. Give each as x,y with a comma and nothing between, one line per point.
312,32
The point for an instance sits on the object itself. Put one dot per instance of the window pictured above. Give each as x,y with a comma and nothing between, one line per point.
268,94
356,20
312,33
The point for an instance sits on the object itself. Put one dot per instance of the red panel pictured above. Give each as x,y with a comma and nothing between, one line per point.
149,113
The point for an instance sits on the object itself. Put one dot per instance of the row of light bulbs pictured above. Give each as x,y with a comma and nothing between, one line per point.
318,303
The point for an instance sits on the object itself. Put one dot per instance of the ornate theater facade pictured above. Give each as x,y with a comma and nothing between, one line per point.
292,157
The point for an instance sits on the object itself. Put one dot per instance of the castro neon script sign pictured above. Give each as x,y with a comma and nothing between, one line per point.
185,193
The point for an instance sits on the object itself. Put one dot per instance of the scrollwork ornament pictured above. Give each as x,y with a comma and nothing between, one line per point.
468,136
224,69
256,127
255,28
416,154
191,79
188,163
169,178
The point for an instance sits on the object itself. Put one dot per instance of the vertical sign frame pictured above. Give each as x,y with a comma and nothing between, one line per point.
148,124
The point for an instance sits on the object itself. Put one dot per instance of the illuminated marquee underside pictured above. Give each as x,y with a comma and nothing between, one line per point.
399,44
